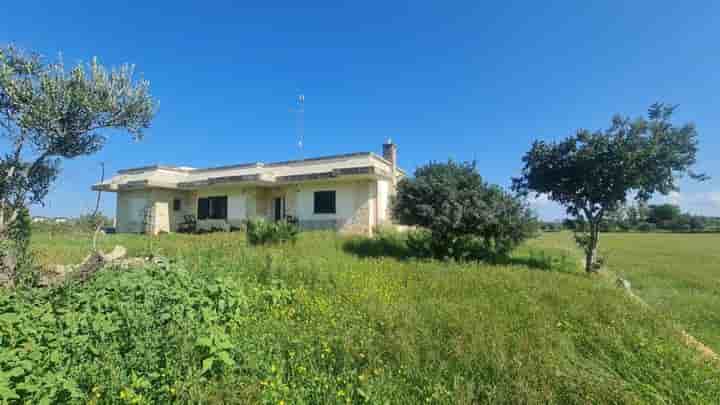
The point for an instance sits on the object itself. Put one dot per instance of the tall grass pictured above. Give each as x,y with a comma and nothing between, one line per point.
312,323
677,274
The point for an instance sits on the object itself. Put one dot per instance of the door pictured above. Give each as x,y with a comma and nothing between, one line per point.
279,208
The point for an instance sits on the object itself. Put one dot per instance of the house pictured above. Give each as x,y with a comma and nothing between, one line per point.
349,193
39,219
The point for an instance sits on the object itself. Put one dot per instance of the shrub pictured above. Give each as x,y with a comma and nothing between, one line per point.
646,227
466,216
262,232
420,243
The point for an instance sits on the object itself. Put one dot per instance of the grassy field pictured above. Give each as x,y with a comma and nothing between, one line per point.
677,274
315,323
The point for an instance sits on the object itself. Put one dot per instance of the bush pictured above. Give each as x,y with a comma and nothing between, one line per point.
420,243
262,232
646,227
466,217
551,227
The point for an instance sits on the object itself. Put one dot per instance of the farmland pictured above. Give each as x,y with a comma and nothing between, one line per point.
317,323
677,274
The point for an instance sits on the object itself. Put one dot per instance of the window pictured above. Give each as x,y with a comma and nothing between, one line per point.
177,204
324,202
212,208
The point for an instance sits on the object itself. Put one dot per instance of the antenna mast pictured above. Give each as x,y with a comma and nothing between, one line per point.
300,122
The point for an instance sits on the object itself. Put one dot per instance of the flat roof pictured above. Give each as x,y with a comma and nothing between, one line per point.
185,169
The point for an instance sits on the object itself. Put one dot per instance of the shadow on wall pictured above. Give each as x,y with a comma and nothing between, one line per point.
395,246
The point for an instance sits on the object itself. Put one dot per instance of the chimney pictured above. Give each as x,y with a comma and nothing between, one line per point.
390,154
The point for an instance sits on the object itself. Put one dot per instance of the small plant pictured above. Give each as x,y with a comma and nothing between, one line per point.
262,232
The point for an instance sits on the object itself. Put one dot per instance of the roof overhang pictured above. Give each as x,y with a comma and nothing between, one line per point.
369,172
258,179
246,179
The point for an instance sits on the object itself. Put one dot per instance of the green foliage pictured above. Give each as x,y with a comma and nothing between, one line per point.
676,274
16,258
50,113
664,217
263,232
420,243
663,212
20,231
230,323
467,217
592,173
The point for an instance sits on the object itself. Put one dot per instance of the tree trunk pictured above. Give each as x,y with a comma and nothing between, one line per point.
591,248
8,263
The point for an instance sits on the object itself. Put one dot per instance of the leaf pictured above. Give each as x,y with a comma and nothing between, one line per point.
8,393
204,341
226,358
207,364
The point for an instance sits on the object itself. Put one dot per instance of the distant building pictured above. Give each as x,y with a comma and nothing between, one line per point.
40,219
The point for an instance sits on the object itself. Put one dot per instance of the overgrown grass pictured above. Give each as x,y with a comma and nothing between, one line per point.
677,274
311,323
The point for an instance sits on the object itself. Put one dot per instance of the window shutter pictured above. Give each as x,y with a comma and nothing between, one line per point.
203,208
325,202
220,208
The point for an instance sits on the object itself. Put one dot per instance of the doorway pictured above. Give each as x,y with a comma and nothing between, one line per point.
279,208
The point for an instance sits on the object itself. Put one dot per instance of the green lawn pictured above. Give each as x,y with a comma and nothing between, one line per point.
677,274
313,323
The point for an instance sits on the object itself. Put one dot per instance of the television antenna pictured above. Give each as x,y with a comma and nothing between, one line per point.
299,111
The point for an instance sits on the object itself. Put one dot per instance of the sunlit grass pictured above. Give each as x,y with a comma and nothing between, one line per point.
313,323
677,274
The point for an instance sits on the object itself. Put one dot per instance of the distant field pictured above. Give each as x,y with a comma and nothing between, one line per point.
314,323
677,274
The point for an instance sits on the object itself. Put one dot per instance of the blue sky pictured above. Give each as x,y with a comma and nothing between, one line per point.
451,79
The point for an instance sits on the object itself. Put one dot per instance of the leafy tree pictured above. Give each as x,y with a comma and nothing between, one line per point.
664,214
48,113
697,224
636,214
592,173
467,218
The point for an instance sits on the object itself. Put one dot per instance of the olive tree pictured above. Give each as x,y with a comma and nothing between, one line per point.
593,173
48,113
466,217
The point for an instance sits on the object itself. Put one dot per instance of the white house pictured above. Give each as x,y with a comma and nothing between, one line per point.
349,192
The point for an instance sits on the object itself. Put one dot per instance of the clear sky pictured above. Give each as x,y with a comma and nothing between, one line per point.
445,79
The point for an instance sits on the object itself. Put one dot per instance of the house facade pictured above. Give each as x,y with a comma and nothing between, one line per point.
350,193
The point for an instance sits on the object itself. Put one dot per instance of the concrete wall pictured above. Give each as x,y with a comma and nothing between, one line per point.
132,206
354,206
130,210
383,201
